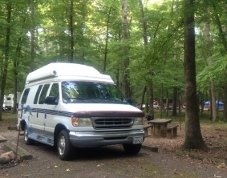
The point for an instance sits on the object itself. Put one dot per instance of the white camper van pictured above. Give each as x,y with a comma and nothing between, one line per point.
72,105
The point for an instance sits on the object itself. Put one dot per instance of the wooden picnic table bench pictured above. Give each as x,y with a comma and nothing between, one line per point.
172,130
159,127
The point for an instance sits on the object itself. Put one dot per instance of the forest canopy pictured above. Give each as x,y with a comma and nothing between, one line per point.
140,44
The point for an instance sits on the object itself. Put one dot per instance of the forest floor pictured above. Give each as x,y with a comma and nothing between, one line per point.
214,135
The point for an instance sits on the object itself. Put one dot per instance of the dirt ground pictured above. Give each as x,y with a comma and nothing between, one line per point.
214,134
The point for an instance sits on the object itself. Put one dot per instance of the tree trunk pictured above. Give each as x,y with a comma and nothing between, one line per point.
145,41
193,136
125,37
15,72
6,53
107,39
151,99
225,104
32,48
143,23
174,112
208,49
71,30
161,102
143,96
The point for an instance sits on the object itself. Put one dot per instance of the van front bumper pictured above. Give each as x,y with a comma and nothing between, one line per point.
95,139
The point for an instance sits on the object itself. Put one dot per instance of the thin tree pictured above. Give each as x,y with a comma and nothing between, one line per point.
32,31
207,54
125,38
193,136
71,30
107,39
143,22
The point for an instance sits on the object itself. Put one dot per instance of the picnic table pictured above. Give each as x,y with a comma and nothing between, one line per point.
159,127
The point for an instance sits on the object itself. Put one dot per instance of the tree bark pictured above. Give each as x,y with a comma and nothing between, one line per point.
143,23
107,39
125,37
174,112
6,54
208,49
32,31
15,72
71,30
193,136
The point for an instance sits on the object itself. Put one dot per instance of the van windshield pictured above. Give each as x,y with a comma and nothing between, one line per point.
90,92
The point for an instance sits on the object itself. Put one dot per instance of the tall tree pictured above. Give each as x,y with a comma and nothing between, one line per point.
6,53
125,39
32,33
208,54
193,136
71,30
107,39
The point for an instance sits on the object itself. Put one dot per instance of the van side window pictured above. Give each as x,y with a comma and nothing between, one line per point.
37,94
54,91
25,96
43,93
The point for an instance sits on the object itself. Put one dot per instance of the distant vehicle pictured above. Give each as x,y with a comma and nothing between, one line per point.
156,106
9,102
219,105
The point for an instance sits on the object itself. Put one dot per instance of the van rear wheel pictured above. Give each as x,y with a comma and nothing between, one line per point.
132,149
64,146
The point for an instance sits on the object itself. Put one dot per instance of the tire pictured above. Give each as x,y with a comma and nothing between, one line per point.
27,140
132,149
64,146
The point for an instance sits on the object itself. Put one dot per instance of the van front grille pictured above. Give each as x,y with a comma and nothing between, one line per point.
112,123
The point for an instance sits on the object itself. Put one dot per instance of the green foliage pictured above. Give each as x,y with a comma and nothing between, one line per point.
159,62
213,72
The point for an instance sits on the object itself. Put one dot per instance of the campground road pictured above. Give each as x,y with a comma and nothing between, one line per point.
109,162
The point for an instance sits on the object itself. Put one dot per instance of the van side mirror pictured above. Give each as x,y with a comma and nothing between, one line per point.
52,100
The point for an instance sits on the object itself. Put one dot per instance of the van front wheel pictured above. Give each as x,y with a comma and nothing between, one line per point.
64,146
27,140
132,149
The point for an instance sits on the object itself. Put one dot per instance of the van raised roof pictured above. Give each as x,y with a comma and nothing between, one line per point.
69,70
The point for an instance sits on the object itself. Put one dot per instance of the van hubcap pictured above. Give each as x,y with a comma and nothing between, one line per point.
61,145
26,134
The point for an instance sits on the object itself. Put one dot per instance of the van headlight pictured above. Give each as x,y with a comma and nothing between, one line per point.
138,121
81,122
